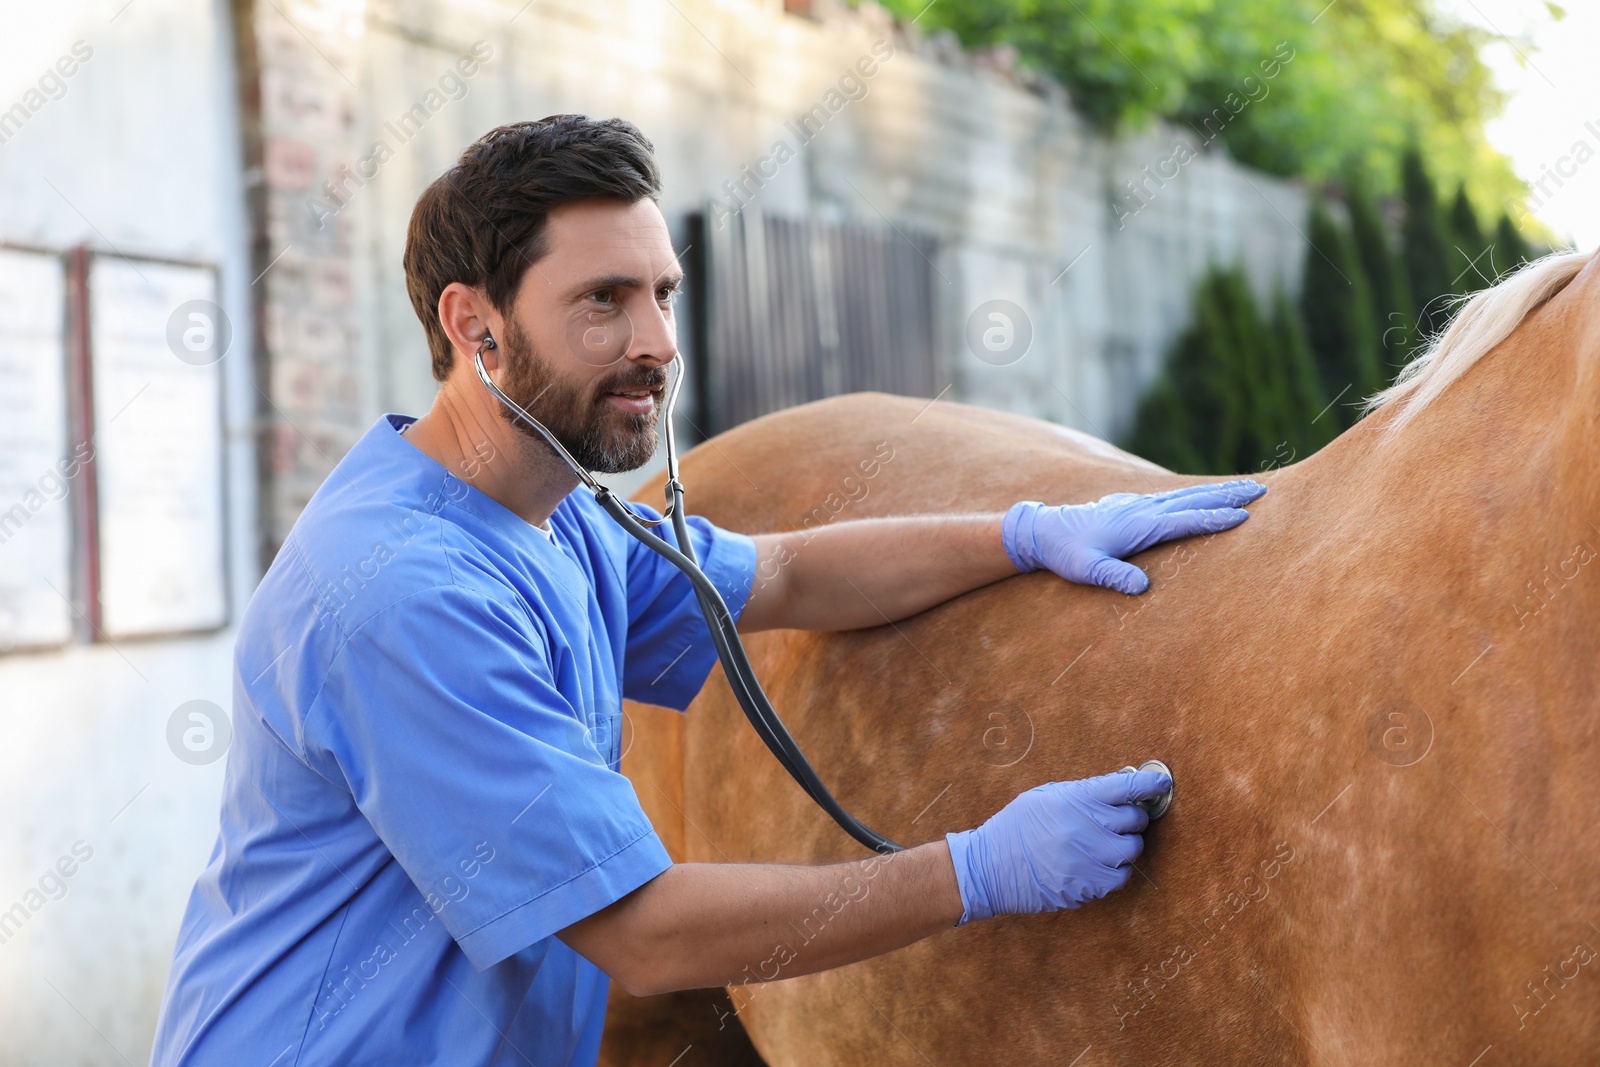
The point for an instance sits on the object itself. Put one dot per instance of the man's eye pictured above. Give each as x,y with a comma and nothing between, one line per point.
601,296
667,294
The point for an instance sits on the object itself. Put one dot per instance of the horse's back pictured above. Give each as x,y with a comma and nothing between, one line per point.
870,454
1267,922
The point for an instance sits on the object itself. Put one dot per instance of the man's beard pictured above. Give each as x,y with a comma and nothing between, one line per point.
598,435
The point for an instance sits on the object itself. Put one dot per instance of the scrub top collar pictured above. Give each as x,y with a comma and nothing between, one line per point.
456,490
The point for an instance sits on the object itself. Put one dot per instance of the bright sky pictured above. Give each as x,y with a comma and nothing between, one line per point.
1554,104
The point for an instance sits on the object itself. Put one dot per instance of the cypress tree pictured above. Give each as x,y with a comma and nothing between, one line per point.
1203,373
1258,380
1240,391
1161,431
1471,268
1511,249
1189,420
1391,296
1424,249
1338,317
1304,400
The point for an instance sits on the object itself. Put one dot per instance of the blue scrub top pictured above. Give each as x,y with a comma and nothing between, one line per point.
422,787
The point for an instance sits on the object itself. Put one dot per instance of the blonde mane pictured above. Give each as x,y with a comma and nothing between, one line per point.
1485,319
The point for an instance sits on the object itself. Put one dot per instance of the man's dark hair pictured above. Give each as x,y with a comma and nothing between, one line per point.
482,222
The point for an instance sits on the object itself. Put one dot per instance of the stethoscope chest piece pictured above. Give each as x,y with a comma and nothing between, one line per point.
1156,806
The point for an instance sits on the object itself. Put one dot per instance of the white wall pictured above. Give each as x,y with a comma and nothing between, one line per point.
139,156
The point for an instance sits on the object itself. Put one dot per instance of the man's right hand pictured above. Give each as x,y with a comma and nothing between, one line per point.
1056,846
711,924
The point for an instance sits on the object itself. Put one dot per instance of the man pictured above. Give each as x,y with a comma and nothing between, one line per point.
426,853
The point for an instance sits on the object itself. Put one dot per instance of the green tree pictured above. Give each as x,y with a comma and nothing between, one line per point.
1511,249
1470,268
1296,87
1309,428
1338,317
1237,393
1162,433
1424,250
1386,281
1204,373
1258,378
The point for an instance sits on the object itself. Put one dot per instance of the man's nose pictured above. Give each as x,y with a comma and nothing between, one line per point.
655,335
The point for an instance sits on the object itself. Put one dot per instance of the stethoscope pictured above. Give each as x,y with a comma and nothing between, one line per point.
730,649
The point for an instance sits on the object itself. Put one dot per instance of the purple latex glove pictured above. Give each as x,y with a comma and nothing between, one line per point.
1087,543
1056,846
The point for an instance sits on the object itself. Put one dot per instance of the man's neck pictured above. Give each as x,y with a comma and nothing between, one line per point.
464,433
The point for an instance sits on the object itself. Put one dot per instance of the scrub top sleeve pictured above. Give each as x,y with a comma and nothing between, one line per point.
443,716
669,650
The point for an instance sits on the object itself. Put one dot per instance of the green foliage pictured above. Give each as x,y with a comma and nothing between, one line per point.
1386,282
1123,62
1425,250
1340,324
1237,394
1307,88
1258,378
1204,369
1511,249
1190,421
1470,268
1307,425
1162,432
1240,394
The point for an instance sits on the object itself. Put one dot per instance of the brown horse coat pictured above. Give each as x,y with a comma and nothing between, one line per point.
1378,697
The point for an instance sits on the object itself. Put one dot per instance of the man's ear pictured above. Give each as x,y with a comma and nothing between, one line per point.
467,317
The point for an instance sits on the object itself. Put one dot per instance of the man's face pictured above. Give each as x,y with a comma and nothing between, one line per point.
586,346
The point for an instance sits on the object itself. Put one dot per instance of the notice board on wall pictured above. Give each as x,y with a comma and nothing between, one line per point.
35,462
156,338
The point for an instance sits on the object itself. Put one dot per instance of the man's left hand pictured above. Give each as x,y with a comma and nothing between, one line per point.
1087,543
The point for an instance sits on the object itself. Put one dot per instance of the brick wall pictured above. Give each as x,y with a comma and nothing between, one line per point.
301,64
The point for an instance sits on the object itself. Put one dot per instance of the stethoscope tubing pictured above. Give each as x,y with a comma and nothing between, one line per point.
736,667
731,653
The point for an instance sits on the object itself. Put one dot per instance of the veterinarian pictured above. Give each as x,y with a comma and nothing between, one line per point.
427,853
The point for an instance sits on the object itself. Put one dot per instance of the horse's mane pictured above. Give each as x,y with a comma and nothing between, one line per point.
1485,319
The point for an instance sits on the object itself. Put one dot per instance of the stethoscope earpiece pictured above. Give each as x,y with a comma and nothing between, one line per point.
488,343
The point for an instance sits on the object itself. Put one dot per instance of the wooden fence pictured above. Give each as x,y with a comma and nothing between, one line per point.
789,311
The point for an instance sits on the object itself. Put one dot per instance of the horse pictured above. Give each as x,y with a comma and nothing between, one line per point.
1378,698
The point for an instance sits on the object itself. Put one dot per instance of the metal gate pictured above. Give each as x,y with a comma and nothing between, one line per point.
789,311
